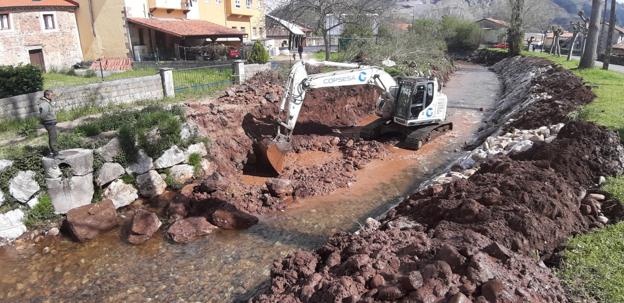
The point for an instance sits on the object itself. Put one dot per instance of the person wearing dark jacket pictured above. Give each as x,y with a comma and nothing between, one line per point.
47,116
300,50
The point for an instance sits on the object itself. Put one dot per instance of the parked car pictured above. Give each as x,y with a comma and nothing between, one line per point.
501,45
234,53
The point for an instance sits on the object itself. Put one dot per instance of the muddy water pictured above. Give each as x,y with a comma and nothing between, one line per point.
228,265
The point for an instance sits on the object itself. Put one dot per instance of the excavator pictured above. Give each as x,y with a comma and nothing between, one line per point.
411,107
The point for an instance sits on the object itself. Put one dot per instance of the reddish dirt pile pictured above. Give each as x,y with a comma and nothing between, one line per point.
247,113
567,92
474,238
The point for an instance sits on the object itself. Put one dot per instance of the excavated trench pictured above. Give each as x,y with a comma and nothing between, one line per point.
338,183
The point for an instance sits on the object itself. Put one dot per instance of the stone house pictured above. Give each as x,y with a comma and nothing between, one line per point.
39,32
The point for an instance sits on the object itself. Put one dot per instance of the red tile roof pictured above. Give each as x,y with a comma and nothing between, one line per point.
37,3
496,21
187,28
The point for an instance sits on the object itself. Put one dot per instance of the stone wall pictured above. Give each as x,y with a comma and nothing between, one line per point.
60,46
96,94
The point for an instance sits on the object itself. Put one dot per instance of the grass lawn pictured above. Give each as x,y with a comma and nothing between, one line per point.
54,80
333,56
593,264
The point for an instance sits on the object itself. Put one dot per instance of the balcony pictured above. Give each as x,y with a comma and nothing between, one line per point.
169,5
241,7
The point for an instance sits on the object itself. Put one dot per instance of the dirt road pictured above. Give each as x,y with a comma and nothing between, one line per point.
231,265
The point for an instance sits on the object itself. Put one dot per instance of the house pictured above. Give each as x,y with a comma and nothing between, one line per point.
618,50
138,29
39,32
564,39
618,36
493,31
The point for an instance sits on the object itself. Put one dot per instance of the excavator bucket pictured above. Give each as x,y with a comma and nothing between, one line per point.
273,154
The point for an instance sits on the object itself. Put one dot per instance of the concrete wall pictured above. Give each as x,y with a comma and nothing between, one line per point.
60,46
252,69
102,28
97,94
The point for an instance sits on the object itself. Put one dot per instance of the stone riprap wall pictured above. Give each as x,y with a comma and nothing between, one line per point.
252,69
96,94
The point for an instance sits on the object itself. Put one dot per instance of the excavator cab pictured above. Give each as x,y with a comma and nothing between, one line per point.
414,101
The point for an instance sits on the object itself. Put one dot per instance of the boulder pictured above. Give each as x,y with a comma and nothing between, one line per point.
109,151
80,161
151,184
108,173
144,225
170,157
121,194
142,165
198,148
69,193
232,219
189,229
23,186
88,221
11,224
5,164
280,187
181,173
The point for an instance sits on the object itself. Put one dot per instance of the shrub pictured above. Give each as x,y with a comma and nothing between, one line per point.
195,161
127,141
28,127
460,35
41,212
18,80
259,54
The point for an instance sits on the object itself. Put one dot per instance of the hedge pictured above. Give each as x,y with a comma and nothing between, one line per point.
19,80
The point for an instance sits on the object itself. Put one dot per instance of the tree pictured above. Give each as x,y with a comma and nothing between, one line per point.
327,15
259,54
515,33
591,43
556,46
612,20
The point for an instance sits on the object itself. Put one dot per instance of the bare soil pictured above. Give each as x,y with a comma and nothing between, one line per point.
485,239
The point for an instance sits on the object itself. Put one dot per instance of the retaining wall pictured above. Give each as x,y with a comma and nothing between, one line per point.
96,94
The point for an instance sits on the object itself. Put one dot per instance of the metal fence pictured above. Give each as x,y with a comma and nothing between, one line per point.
201,79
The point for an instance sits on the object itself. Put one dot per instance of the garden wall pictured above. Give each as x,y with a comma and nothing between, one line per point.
96,94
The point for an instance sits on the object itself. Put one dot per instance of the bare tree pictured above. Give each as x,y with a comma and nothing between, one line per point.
556,45
338,12
515,33
591,43
612,20
578,28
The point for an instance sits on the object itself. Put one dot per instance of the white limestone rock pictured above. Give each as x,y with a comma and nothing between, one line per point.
108,173
151,184
170,157
120,193
143,164
23,186
12,224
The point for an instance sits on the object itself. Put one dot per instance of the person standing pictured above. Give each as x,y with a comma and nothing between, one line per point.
47,116
300,50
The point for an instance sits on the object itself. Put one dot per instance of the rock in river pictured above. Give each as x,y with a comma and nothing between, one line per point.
88,221
144,225
186,230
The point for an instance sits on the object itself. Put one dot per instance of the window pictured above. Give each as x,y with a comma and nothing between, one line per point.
249,3
237,3
218,2
4,22
243,29
233,27
48,21
261,31
255,31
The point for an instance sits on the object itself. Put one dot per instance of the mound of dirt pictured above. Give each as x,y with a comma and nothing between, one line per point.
582,153
565,91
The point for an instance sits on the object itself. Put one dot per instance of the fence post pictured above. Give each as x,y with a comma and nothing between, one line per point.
238,71
166,76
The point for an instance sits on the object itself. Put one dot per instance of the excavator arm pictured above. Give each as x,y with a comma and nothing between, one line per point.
299,82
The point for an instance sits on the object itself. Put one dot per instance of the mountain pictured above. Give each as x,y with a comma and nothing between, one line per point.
539,13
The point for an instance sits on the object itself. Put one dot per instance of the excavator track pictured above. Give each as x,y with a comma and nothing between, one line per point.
419,137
